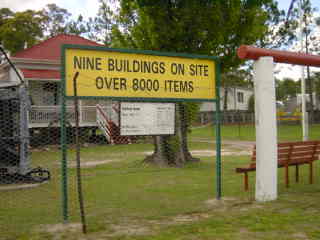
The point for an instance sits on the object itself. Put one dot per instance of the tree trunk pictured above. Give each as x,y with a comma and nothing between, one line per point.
173,150
184,130
158,157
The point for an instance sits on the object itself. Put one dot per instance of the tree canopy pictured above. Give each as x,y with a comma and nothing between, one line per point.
201,26
196,26
286,89
21,29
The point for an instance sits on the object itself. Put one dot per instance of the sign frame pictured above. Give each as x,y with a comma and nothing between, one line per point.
142,52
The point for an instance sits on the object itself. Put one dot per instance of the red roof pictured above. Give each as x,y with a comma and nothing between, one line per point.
50,48
41,73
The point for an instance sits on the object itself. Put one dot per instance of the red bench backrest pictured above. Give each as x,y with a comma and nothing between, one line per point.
294,152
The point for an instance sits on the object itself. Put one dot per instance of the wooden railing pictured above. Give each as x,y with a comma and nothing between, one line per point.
104,123
46,115
88,114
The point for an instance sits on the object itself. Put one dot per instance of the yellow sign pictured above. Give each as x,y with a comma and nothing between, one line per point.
136,75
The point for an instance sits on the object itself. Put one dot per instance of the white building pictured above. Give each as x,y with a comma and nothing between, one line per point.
237,100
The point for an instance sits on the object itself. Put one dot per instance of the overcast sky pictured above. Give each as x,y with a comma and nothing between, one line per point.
89,8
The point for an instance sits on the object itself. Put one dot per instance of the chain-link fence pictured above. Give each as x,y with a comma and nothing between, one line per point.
119,142
29,168
116,144
122,151
124,143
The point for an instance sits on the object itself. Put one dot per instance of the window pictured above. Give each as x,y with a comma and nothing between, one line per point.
240,97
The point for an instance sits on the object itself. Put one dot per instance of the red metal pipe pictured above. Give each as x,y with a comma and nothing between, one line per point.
254,53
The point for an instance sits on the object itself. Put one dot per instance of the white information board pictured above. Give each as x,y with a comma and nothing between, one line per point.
141,118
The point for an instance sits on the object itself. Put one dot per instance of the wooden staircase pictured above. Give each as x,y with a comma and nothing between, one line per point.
109,127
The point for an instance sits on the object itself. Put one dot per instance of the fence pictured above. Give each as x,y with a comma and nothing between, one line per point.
227,117
245,117
117,150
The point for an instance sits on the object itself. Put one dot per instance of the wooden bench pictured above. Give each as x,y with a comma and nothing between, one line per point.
289,154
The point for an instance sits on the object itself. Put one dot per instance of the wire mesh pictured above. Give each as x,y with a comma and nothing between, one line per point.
124,146
132,139
29,171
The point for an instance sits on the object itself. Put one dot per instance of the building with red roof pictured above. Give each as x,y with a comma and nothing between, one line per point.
40,66
42,61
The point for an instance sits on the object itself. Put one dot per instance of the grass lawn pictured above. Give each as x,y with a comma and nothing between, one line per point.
247,132
125,199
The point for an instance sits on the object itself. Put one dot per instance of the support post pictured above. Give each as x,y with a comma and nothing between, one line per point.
218,138
266,130
64,168
218,151
305,122
24,163
79,181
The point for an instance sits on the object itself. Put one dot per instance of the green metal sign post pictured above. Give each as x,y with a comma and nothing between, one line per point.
218,142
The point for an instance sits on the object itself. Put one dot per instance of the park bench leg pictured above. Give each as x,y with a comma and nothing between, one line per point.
246,181
287,176
311,172
297,173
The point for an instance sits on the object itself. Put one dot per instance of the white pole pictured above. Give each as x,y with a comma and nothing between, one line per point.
266,130
305,127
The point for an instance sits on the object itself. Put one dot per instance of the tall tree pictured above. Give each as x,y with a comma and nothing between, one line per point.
101,25
309,22
78,26
24,29
309,36
316,78
59,20
212,27
286,88
5,14
21,29
56,19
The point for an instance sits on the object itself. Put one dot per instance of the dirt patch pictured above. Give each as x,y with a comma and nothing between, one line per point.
20,186
190,217
215,202
89,164
129,229
222,204
211,153
247,205
59,228
224,152
243,230
300,235
228,203
133,228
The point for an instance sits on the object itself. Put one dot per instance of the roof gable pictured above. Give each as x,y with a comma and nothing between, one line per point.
50,48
